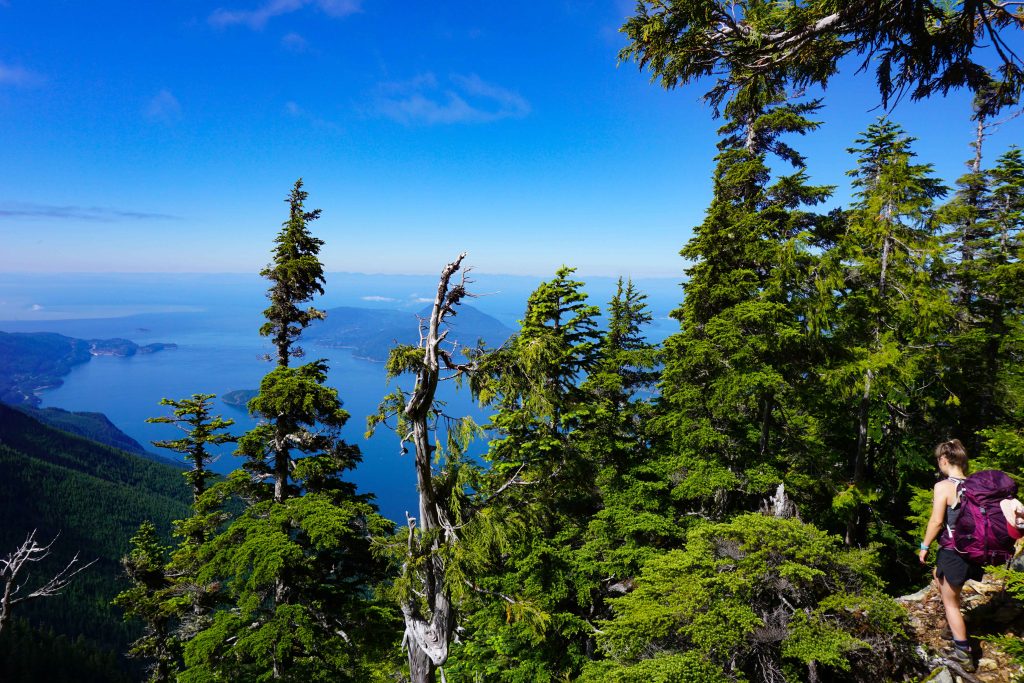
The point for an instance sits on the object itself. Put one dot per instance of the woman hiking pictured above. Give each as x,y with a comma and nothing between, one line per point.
951,569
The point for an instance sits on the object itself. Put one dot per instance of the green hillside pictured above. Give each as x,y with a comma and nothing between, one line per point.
93,426
94,497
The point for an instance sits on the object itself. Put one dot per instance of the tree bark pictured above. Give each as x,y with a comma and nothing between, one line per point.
427,636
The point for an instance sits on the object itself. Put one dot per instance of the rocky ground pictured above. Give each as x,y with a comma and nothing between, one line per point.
988,611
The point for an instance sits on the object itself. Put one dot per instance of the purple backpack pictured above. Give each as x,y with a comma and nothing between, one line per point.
979,533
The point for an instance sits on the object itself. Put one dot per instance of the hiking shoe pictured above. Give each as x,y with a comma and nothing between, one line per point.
963,658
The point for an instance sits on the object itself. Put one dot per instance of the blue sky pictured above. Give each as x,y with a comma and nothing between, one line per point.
162,136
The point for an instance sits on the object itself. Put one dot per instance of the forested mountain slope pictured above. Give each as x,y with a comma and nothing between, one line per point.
94,497
93,426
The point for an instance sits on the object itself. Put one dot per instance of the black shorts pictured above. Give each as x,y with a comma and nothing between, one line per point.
949,565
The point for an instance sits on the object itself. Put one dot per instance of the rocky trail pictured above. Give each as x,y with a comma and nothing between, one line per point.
989,611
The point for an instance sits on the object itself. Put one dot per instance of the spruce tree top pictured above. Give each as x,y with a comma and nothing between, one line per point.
296,276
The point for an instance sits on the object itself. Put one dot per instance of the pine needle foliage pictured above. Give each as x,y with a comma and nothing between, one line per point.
919,48
165,592
981,362
536,385
192,416
296,276
151,599
755,599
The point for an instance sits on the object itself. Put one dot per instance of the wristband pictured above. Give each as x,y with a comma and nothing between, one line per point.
924,547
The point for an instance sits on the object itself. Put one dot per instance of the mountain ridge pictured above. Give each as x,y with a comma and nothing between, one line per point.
371,332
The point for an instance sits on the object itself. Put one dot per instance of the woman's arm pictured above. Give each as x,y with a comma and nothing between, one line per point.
940,499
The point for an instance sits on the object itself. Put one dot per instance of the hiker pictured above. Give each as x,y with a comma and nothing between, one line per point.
951,569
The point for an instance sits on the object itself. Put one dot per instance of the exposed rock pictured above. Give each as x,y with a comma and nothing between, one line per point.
986,664
988,611
916,597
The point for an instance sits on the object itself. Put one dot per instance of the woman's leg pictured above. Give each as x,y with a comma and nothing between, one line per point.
951,601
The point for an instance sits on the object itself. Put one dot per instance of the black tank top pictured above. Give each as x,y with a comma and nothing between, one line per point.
952,513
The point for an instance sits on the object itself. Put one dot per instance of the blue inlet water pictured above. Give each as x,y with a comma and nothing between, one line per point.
217,354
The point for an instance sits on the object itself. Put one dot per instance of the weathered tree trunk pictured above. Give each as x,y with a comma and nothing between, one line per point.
421,669
427,636
282,462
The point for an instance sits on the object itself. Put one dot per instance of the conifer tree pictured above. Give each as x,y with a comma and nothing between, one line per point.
192,415
734,416
296,276
165,592
1001,313
151,600
634,514
294,566
981,237
968,400
761,599
537,629
885,319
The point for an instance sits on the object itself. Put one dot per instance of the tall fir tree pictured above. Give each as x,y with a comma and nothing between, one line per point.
981,225
529,623
887,311
165,593
1002,313
733,417
152,600
296,276
633,518
201,430
294,566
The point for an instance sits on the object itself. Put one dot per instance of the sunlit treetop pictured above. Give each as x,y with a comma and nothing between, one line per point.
915,47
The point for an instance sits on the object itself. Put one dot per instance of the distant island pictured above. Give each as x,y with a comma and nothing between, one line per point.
123,347
31,362
371,332
239,398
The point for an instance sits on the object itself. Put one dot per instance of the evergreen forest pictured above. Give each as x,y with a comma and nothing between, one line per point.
742,502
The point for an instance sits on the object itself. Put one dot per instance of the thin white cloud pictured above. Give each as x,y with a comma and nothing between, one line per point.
294,110
257,18
164,106
294,42
18,76
424,81
37,307
102,214
423,299
467,99
377,298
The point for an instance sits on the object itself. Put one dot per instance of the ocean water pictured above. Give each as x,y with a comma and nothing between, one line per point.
214,320
212,357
